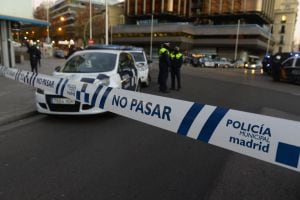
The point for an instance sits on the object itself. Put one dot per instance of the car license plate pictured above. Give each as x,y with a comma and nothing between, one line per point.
62,101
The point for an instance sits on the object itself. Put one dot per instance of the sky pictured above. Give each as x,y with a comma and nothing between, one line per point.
297,32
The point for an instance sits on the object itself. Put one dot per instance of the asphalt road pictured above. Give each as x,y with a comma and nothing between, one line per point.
111,157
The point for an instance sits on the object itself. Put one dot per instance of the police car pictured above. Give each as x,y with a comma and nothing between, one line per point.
113,67
290,69
142,64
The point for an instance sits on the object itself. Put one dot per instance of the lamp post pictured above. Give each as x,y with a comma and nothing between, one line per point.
87,23
151,36
106,23
47,10
237,40
91,30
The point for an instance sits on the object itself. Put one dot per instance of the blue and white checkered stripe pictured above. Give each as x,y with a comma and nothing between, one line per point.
278,143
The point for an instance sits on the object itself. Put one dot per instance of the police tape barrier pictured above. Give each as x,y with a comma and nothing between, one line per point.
270,139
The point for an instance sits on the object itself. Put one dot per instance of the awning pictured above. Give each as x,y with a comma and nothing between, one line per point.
25,20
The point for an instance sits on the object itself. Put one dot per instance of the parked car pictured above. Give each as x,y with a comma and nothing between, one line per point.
187,59
223,63
239,64
206,62
142,65
290,69
195,61
253,65
253,62
59,53
110,67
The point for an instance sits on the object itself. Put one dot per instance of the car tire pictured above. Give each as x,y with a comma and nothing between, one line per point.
147,83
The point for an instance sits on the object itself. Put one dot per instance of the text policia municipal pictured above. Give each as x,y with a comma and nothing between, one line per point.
252,136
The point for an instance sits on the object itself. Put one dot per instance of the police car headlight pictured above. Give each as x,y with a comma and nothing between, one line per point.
142,68
246,65
40,91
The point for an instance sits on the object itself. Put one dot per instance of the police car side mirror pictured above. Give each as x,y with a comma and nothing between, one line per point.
57,69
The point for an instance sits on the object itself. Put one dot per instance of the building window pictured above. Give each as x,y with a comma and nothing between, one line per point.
283,19
281,39
282,30
279,49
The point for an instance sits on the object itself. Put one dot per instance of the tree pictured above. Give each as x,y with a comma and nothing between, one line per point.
33,32
82,24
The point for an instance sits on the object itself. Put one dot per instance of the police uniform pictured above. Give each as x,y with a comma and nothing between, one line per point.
34,57
164,64
176,62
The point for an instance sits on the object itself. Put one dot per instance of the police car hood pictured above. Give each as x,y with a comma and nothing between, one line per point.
85,77
92,78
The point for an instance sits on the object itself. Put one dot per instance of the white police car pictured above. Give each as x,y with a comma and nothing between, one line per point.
111,67
142,65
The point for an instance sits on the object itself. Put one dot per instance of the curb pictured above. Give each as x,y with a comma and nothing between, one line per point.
14,118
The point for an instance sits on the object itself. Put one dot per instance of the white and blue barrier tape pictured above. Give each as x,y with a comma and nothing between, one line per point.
270,139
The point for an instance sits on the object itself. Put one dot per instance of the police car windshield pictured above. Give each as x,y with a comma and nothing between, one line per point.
138,56
91,63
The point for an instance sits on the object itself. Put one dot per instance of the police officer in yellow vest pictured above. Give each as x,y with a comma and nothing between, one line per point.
176,62
164,65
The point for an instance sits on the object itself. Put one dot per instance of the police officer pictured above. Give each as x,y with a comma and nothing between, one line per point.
275,66
176,63
164,64
34,56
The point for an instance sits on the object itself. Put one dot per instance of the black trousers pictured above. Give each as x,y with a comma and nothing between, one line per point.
163,77
34,63
175,74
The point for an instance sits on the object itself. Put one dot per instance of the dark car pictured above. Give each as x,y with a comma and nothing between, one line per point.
290,69
276,63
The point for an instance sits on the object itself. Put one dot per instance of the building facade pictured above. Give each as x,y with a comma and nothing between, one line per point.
284,25
65,13
203,25
206,11
11,18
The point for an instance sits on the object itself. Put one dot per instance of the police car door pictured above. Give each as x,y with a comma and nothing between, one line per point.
127,72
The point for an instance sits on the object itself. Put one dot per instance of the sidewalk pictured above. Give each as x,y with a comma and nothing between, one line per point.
16,99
